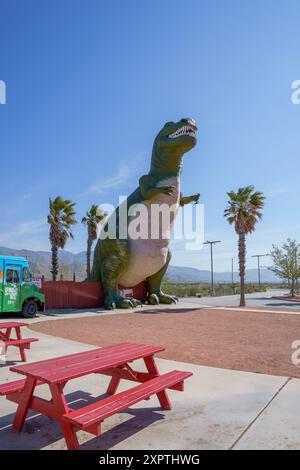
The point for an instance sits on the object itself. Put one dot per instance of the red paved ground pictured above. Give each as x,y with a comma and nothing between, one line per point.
241,340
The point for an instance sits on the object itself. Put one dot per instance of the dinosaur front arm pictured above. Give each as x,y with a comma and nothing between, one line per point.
187,199
149,189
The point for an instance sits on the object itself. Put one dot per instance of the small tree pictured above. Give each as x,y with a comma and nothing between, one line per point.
243,211
92,218
286,262
61,218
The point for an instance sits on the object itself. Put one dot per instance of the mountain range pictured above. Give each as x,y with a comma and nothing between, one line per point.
40,262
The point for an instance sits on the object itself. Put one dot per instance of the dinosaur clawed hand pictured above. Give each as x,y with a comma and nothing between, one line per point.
121,302
161,298
167,189
195,198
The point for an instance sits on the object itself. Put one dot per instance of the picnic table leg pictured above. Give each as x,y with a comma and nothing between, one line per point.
113,385
70,436
8,333
3,348
59,401
24,404
4,337
21,346
162,396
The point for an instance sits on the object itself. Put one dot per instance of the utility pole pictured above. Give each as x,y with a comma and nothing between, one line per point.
211,243
258,267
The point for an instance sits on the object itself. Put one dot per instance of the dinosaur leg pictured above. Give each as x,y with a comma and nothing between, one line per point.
156,295
112,267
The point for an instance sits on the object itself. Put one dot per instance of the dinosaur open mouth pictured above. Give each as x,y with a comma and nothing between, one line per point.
184,130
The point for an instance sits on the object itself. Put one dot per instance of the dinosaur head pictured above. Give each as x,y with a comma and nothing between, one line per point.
171,143
180,136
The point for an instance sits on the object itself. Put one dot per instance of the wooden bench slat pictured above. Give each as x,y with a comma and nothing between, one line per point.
96,412
18,342
55,362
12,324
53,372
15,386
112,360
66,373
71,359
11,387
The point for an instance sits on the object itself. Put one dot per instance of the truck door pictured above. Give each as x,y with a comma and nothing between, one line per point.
11,294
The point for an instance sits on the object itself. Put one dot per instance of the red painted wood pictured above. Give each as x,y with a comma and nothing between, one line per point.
21,341
69,367
126,375
150,365
162,395
112,360
58,361
71,294
22,344
10,387
164,400
106,407
113,385
88,367
72,359
23,407
14,386
12,324
61,406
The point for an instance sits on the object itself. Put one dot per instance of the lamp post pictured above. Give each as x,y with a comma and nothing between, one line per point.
258,267
232,260
211,243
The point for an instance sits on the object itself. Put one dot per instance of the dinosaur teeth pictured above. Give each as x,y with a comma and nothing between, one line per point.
185,130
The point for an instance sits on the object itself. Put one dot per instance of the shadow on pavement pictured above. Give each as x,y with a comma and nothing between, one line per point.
171,310
39,431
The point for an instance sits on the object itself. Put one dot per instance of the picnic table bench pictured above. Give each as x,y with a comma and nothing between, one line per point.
112,361
19,342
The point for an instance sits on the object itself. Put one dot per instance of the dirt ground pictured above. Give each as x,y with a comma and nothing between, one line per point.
240,340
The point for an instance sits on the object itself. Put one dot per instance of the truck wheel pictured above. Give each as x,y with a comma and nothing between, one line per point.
30,308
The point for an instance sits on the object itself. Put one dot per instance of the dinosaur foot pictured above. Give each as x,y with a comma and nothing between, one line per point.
121,302
161,298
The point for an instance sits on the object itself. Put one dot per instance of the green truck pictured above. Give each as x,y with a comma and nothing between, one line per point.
17,291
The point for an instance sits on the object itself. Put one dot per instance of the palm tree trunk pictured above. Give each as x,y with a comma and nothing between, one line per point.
88,257
54,261
242,264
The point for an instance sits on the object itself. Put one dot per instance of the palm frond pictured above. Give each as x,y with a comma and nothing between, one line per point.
244,208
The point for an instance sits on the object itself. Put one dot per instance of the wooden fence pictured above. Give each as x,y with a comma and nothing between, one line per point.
72,294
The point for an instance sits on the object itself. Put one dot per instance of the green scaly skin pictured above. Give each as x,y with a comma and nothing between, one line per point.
112,256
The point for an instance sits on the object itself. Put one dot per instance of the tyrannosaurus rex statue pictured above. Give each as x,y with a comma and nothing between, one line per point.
127,260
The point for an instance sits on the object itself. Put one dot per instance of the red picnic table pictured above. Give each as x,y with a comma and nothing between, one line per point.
19,342
112,361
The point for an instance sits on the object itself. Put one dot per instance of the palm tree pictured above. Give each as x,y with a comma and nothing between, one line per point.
92,218
243,211
61,218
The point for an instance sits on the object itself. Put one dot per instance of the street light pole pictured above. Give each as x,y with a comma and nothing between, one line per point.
211,243
258,267
232,259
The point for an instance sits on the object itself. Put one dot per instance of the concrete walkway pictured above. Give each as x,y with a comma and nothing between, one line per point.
220,409
255,300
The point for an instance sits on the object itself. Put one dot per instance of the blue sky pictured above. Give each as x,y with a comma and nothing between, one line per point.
90,83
